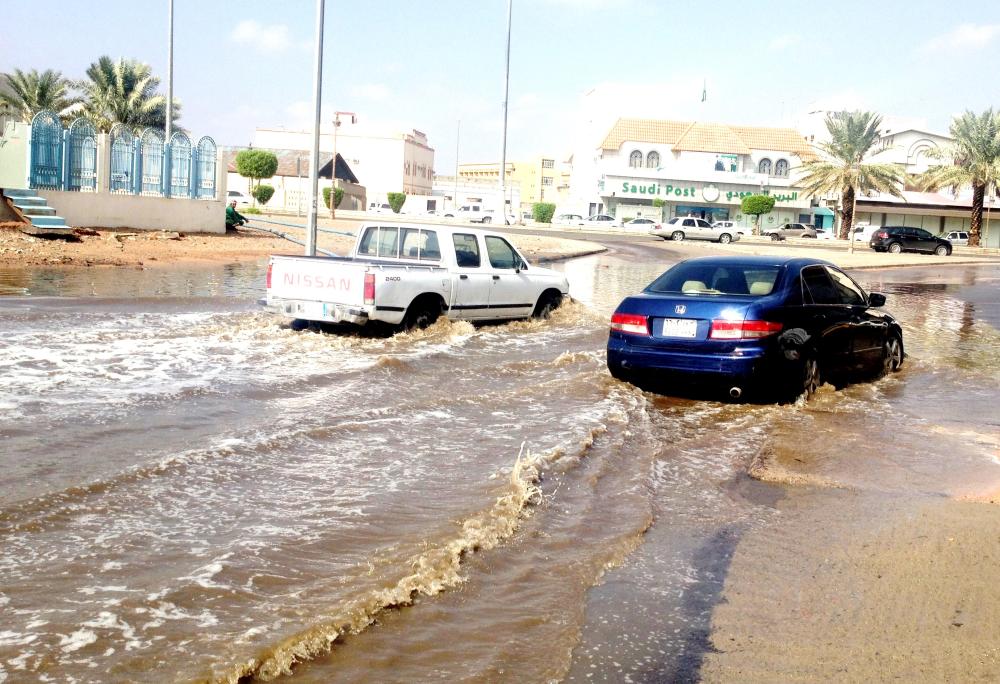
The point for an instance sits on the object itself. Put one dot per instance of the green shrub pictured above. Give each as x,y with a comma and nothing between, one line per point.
263,193
338,197
256,164
396,200
542,212
251,210
626,219
757,205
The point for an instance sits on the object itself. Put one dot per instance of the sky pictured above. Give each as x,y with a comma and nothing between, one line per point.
575,65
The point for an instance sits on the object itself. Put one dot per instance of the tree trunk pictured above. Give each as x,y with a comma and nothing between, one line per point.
976,223
847,224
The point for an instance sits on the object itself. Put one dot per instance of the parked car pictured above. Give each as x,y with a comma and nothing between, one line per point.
568,220
241,198
410,275
641,223
379,208
729,225
863,232
759,326
602,221
898,239
958,238
787,230
690,228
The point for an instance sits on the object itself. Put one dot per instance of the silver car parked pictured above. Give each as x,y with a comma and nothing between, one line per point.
787,230
690,228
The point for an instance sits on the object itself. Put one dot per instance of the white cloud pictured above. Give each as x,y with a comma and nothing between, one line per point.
784,41
270,38
964,37
371,91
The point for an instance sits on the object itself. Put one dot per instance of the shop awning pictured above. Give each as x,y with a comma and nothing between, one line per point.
822,211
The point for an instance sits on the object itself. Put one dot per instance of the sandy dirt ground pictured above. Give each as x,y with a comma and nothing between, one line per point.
145,248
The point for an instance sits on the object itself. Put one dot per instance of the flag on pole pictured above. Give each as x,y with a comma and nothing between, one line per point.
704,91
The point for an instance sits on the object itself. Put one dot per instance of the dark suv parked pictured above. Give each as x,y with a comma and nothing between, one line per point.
898,239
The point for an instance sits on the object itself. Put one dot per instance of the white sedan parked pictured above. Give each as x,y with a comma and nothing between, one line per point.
602,221
690,228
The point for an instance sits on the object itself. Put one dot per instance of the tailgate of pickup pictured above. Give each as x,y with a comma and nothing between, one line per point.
316,279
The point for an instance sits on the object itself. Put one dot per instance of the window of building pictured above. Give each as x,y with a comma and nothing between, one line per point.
781,168
546,180
764,167
548,163
635,159
653,160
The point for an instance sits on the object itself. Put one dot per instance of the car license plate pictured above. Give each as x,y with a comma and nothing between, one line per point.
679,327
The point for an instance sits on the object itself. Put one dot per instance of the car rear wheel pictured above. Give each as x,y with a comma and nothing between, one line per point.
725,238
941,250
677,236
895,248
775,237
487,219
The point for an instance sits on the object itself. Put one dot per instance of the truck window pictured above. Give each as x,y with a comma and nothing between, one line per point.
466,250
388,242
501,254
419,244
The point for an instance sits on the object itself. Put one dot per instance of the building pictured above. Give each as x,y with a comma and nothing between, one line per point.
695,169
541,179
451,192
383,161
291,181
908,143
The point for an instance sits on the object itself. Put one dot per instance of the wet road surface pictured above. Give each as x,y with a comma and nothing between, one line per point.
189,490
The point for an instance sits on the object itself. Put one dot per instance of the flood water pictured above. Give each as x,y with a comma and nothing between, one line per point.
191,491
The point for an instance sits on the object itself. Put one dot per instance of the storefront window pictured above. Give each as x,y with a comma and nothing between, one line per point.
764,167
781,168
710,214
635,159
653,160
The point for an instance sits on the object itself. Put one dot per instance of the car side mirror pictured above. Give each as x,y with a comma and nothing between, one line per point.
876,299
520,265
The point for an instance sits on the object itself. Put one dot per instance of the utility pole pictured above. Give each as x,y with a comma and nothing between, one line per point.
170,71
503,149
314,155
458,135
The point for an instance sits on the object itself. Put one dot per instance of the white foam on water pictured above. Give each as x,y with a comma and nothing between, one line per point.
77,640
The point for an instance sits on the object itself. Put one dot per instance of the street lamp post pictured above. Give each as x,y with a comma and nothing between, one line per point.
314,154
333,164
503,149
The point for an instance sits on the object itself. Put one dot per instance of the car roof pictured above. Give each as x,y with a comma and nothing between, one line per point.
793,262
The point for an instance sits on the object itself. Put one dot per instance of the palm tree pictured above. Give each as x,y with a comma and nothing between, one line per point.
27,93
976,162
124,92
844,171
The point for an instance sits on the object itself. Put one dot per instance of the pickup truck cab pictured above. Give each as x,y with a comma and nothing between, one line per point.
409,275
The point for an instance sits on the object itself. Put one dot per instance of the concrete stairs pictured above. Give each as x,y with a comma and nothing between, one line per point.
35,209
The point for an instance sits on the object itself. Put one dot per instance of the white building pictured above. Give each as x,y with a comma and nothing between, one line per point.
383,161
698,169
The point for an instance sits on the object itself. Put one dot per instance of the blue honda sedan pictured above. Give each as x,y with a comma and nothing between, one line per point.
766,327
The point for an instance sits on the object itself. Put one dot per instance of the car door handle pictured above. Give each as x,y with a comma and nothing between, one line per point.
496,277
463,277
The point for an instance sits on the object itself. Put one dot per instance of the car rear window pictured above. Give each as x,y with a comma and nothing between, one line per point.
717,279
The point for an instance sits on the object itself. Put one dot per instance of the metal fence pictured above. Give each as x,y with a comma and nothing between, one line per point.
139,163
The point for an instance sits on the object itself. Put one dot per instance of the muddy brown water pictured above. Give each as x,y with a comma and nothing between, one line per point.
191,491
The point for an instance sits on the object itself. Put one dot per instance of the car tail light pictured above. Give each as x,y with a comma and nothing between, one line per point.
369,288
881,235
742,330
636,324
267,284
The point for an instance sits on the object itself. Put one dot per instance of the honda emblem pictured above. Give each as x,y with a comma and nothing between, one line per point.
680,308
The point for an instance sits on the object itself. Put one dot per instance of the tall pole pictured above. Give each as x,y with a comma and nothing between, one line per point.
333,167
458,135
170,71
314,155
503,149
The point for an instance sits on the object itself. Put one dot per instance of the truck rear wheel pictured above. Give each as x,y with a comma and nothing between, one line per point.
423,312
487,219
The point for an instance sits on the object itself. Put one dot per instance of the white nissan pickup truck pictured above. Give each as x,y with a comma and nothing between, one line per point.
409,275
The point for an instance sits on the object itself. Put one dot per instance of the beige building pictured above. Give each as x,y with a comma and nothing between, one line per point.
541,179
383,161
